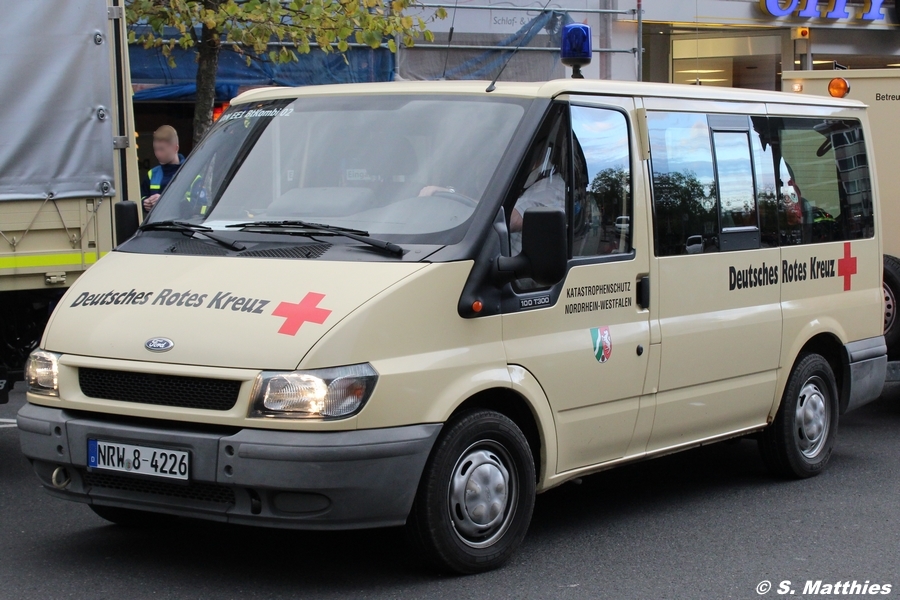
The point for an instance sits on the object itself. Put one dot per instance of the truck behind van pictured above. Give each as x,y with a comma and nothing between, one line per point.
67,160
414,304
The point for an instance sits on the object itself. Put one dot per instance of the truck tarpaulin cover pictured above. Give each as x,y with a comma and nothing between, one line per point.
55,83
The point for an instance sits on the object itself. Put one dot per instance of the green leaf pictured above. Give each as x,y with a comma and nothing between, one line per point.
371,38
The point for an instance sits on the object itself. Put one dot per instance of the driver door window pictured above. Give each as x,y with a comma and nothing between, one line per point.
601,207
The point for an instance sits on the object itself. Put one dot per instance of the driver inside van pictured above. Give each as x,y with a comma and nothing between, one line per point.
544,186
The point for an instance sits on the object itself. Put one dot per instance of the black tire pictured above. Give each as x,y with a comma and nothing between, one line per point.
891,297
799,443
131,518
489,522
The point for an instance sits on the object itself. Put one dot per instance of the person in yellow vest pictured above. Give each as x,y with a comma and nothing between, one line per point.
165,147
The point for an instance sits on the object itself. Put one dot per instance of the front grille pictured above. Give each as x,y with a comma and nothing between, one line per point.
162,390
202,492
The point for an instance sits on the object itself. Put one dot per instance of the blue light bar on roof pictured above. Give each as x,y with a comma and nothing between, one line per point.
575,50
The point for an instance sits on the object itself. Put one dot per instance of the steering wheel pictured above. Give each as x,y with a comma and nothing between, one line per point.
457,197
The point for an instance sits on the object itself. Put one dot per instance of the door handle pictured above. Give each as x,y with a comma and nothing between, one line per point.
643,292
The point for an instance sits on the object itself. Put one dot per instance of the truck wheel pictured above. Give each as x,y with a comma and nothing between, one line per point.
798,444
891,283
476,495
128,517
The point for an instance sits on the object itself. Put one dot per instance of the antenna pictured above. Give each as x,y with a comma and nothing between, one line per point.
493,86
449,39
697,45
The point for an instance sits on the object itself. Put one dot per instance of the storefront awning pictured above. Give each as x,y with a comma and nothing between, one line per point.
149,66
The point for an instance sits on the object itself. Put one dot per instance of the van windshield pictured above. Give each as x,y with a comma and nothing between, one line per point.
403,167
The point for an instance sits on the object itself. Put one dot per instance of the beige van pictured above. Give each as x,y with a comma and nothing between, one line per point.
416,304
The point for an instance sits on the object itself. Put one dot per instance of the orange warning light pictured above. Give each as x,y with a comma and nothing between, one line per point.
838,87
218,110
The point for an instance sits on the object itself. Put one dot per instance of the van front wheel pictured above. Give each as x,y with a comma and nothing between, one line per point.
476,496
799,442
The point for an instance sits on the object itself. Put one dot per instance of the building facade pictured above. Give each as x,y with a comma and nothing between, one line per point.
747,43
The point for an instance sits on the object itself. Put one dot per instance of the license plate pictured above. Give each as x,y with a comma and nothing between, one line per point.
140,460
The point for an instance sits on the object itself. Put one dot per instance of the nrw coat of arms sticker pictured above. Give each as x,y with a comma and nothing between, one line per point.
602,343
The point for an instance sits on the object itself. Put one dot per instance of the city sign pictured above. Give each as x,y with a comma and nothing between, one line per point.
830,9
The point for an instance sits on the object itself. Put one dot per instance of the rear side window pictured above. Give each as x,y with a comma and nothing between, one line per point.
731,182
822,172
684,184
734,172
771,213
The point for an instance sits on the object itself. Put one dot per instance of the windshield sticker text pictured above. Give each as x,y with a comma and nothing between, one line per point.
256,113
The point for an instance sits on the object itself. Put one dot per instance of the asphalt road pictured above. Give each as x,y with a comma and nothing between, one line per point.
708,523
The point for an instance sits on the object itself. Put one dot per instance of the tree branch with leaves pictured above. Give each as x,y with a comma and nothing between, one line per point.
252,27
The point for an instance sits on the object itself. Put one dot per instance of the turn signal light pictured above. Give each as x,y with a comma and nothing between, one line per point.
838,87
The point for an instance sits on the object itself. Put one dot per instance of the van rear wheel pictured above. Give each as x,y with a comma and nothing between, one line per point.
799,442
476,496
891,284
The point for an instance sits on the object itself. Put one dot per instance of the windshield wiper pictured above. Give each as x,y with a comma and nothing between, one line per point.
192,228
318,229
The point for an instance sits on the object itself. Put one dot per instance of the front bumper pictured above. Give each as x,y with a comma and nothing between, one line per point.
292,479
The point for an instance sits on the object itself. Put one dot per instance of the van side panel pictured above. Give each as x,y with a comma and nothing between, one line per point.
719,300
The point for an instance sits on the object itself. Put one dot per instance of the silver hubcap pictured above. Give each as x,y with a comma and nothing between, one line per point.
482,494
812,418
890,308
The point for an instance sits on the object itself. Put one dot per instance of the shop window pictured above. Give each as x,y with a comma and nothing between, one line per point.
684,188
602,201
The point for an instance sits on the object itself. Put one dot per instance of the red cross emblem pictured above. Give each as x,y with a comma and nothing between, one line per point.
847,266
295,315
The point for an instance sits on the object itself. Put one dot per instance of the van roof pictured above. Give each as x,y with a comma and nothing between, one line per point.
549,89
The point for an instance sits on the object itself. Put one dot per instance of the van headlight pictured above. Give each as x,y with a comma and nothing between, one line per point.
314,394
42,373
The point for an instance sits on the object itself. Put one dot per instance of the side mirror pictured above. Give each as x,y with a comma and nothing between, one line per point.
544,255
127,220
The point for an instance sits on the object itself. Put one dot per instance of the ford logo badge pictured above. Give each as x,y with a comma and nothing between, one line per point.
159,344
